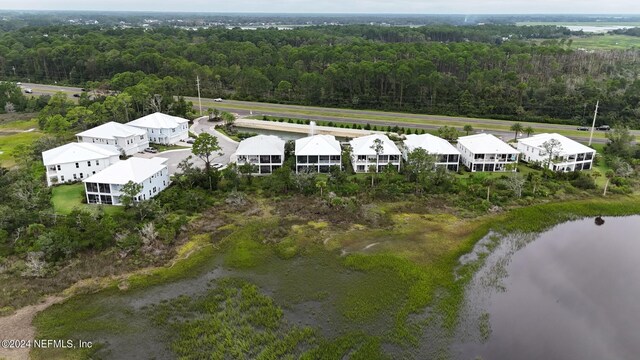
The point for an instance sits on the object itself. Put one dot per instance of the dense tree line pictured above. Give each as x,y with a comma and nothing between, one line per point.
439,69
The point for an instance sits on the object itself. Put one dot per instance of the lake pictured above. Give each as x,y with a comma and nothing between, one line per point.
569,293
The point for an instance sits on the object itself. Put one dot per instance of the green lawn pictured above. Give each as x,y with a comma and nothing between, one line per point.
162,148
9,141
65,198
18,121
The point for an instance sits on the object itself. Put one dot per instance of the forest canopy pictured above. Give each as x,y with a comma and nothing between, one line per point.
490,71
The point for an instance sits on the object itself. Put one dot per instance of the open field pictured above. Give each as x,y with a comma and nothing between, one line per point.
578,23
9,141
606,42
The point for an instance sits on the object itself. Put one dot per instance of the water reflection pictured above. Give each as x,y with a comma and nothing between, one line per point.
569,294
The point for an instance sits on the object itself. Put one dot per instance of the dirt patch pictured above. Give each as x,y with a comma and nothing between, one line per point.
19,326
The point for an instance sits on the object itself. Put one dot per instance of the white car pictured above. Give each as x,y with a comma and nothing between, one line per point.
216,166
217,99
28,91
18,83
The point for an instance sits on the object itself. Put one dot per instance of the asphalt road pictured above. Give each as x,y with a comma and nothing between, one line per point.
246,108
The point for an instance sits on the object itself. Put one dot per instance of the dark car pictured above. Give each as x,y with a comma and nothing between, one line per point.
604,127
583,128
190,141
76,95
83,89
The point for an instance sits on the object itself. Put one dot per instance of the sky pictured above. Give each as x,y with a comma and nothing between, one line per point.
342,6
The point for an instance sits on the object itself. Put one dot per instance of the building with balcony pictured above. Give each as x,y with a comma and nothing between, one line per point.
162,128
364,157
318,153
127,139
77,161
265,152
445,154
569,155
105,187
485,152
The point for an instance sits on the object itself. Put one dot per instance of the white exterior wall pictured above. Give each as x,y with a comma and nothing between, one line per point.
168,136
486,162
130,145
152,186
77,171
564,162
265,164
450,161
317,163
362,163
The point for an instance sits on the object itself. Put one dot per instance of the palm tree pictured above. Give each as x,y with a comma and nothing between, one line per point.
529,130
610,175
321,184
467,128
517,128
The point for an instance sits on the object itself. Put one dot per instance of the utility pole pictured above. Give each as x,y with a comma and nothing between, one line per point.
199,101
593,126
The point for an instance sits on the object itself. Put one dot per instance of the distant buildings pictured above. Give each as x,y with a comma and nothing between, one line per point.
266,152
485,152
365,157
77,161
162,128
567,155
105,187
317,153
127,139
446,155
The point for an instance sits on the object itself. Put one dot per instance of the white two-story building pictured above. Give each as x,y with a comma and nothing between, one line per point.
446,155
77,161
105,187
266,152
127,139
485,152
569,155
364,157
162,128
318,153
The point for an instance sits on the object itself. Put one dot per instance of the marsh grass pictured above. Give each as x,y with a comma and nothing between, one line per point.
368,297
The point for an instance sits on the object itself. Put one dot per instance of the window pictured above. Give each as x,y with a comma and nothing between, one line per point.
93,199
97,162
265,159
58,166
362,157
335,158
89,163
81,175
104,188
302,159
106,199
77,165
265,169
75,177
154,190
313,159
276,159
91,187
61,177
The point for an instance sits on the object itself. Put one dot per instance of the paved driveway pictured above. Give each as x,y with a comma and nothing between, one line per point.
176,156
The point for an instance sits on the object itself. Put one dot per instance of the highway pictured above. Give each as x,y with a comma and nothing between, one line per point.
428,122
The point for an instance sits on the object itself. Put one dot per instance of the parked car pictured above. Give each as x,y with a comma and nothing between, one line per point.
604,127
583,128
18,83
151,150
83,89
190,141
28,91
217,99
216,165
76,95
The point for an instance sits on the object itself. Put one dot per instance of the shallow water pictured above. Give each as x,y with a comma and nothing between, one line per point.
570,293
